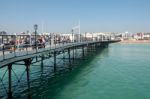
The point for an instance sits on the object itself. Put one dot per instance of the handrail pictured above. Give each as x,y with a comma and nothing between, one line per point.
11,51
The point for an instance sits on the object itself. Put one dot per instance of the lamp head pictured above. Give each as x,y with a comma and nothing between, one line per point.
35,27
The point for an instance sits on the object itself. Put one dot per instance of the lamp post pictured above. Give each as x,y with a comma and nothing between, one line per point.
85,37
35,28
92,36
50,40
55,40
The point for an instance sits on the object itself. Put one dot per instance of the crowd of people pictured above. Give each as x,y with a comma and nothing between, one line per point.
24,43
21,43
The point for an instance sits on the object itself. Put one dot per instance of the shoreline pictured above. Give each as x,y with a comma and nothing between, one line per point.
134,42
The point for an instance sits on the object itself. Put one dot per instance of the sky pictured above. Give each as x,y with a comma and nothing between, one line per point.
62,15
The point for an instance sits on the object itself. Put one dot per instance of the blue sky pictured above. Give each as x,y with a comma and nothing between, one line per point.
62,15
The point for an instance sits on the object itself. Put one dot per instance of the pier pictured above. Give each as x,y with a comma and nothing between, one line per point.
69,52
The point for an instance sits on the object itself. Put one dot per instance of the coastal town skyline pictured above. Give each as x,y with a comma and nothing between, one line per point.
62,16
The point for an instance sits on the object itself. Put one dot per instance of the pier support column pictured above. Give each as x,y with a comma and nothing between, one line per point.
42,58
87,49
49,55
97,47
69,58
73,53
63,57
83,55
94,47
36,59
54,61
27,64
99,44
9,82
104,45
90,49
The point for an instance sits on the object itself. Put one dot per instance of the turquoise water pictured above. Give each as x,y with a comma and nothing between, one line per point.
119,72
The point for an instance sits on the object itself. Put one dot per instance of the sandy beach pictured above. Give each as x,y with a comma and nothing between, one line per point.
135,42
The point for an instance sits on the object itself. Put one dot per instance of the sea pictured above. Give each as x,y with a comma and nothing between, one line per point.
121,71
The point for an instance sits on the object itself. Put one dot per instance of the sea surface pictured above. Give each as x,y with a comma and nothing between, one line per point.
121,71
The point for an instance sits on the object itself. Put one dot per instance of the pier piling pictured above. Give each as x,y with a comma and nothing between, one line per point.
9,81
54,61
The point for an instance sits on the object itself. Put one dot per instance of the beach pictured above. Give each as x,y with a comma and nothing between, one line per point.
135,41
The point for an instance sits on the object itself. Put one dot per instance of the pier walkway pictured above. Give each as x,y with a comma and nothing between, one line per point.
7,58
26,56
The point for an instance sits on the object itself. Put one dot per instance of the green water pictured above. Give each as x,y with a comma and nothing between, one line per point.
119,72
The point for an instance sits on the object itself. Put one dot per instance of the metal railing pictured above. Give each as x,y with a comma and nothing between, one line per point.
10,51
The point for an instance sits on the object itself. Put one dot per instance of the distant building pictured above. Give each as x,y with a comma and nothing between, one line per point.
142,36
94,36
46,33
3,33
138,36
146,36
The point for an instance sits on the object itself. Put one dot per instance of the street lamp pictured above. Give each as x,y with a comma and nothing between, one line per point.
85,37
35,28
50,40
92,36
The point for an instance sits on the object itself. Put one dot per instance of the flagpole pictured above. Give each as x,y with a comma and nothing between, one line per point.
79,32
42,27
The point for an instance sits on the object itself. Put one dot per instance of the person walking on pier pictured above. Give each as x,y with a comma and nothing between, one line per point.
33,44
12,45
43,42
